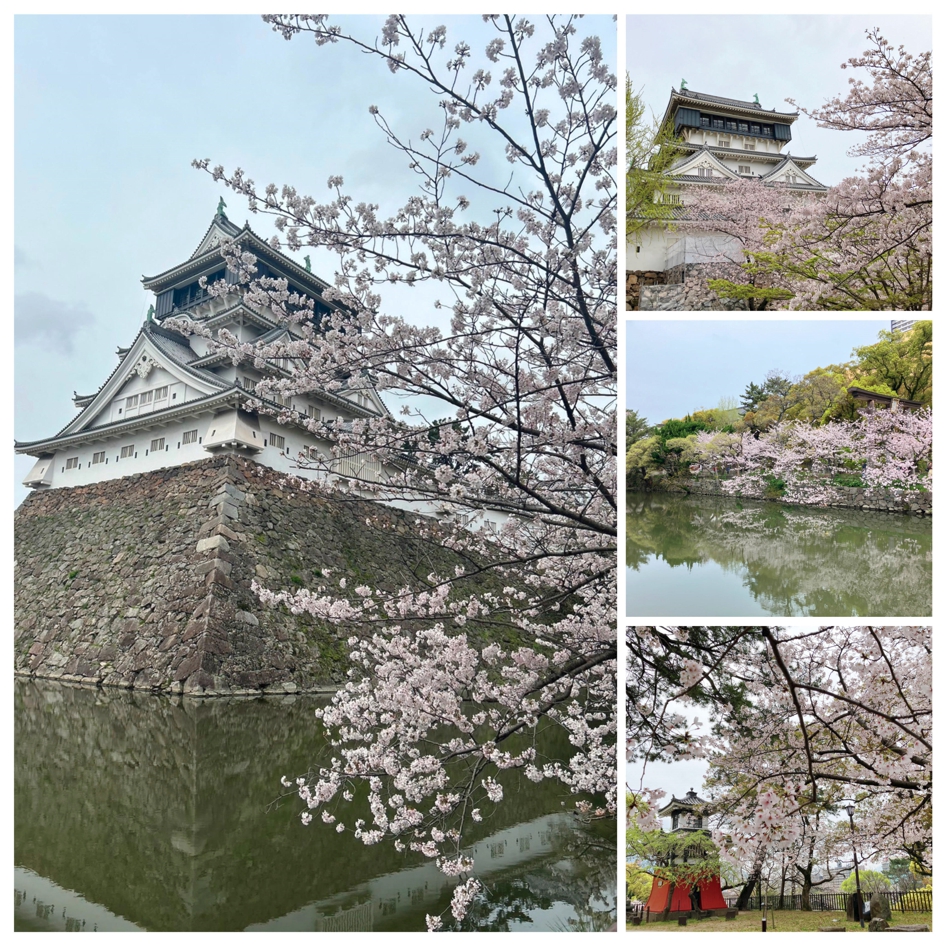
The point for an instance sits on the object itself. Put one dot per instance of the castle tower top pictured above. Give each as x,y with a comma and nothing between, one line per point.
688,109
688,812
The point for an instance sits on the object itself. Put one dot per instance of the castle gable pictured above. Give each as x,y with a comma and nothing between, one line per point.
153,375
790,173
703,164
220,229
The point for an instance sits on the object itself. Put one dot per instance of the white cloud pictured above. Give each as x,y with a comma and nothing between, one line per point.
48,322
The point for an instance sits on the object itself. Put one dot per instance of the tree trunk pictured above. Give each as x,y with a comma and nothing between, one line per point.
753,878
746,892
805,893
807,872
669,902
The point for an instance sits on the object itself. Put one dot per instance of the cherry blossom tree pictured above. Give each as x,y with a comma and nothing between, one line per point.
868,244
802,721
864,245
887,452
744,213
521,379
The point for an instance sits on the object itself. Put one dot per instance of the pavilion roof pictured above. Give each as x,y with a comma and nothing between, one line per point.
731,103
690,801
247,237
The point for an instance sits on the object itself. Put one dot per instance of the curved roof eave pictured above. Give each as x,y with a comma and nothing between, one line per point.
694,158
119,427
258,245
789,161
767,157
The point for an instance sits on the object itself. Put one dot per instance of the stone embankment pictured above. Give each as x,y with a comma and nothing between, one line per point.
636,281
145,582
914,503
692,296
681,289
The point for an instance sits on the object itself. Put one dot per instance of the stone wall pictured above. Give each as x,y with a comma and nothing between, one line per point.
916,503
686,290
636,280
145,582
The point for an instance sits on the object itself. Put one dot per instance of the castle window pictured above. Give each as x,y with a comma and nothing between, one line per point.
248,384
132,401
157,444
190,436
160,393
705,171
724,143
743,127
147,397
766,131
314,413
749,145
72,463
704,121
729,125
190,294
756,129
744,168
277,441
98,458
127,451
718,123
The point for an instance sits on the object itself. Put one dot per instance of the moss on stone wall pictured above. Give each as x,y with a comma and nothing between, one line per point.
145,582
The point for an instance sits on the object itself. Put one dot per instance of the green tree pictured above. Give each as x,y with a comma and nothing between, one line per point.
637,428
639,882
900,874
776,385
639,457
672,429
814,396
900,360
649,154
870,882
753,396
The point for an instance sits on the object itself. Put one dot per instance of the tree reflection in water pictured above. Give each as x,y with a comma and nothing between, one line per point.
789,561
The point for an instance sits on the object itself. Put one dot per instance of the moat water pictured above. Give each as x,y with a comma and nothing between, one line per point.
138,812
703,556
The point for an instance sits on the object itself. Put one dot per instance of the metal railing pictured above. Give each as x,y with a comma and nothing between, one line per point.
919,900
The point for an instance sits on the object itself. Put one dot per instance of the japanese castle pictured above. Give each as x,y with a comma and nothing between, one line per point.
173,399
717,140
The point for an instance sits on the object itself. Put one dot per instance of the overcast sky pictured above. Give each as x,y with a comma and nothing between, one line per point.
777,57
109,113
675,367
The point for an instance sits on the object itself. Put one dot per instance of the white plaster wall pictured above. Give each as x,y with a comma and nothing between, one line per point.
711,138
704,247
648,248
175,453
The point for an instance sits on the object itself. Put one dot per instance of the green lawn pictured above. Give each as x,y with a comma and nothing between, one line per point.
790,920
